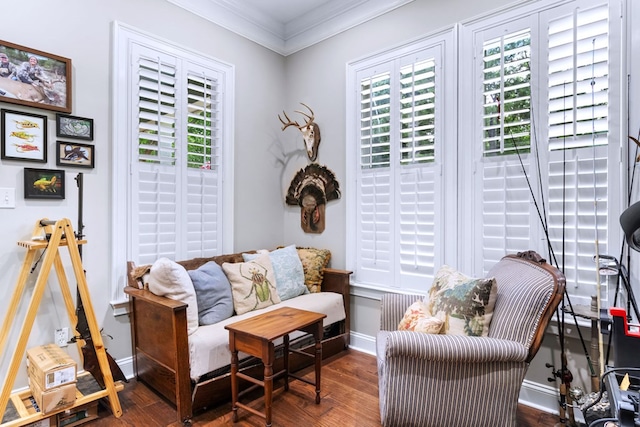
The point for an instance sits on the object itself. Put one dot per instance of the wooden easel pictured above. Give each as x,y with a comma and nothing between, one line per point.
54,235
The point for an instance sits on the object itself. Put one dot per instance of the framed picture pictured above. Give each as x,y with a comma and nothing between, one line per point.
34,78
74,127
43,184
75,154
24,136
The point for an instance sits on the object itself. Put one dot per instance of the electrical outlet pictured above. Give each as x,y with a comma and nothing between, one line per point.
61,337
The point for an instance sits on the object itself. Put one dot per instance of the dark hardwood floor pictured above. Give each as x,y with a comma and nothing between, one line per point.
349,398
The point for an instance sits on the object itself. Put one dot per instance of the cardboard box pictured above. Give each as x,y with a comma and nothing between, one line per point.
49,367
54,399
47,422
29,404
79,415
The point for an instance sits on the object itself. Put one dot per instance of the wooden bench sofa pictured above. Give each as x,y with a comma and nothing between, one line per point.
161,343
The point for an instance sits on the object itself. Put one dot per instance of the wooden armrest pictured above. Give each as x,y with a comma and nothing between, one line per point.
152,298
335,280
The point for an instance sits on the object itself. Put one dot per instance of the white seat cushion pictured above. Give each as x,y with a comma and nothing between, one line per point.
209,344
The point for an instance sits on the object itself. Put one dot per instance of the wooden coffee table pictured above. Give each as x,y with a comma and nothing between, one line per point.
255,337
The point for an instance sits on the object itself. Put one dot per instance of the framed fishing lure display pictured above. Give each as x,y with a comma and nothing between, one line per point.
24,136
43,183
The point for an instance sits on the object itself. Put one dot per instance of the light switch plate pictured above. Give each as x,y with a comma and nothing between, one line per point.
7,198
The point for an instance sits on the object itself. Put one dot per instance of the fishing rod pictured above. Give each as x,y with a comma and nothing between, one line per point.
563,374
595,209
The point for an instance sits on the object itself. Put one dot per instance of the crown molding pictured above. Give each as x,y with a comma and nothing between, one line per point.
285,38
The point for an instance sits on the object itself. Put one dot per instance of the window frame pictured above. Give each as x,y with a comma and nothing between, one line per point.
445,40
124,131
472,260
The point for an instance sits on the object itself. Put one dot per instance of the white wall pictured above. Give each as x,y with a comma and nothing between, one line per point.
81,31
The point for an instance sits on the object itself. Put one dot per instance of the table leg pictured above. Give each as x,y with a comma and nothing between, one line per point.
234,378
285,360
268,381
318,337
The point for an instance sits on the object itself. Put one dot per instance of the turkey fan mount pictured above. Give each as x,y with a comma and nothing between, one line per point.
311,189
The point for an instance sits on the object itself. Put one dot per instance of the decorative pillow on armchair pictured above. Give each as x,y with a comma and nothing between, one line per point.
288,270
418,318
465,303
213,292
313,262
253,284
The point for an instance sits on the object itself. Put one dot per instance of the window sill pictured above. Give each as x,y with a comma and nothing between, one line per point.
375,292
120,307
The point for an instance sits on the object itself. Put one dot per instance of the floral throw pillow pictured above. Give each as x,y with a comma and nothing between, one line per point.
313,262
465,303
253,284
417,318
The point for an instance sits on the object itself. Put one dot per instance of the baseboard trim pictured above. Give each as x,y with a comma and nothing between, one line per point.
126,366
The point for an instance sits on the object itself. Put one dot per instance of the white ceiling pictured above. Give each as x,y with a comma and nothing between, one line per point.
287,26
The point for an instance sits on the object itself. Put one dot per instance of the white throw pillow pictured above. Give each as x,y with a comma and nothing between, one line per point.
169,279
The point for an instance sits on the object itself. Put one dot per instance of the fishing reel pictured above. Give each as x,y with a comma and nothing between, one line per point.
564,374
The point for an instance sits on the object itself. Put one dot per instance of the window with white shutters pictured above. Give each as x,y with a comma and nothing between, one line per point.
545,106
536,155
171,126
399,185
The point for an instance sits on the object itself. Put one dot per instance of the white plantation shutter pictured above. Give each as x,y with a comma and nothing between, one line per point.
568,160
416,219
578,126
203,207
578,78
506,127
506,208
507,93
177,167
582,193
155,168
415,214
375,231
399,191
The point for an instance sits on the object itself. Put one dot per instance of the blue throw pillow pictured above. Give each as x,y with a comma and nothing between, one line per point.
213,292
288,271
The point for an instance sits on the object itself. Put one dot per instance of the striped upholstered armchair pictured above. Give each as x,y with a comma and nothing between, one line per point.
441,380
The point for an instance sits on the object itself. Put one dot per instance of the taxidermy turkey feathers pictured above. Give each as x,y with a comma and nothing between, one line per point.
318,179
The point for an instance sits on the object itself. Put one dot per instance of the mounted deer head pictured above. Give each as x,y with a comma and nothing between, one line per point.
310,132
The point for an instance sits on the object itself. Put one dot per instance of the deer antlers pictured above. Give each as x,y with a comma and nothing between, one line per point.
310,131
289,122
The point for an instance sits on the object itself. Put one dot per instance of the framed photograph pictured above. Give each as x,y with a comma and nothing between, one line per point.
24,136
43,184
75,154
74,127
34,78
